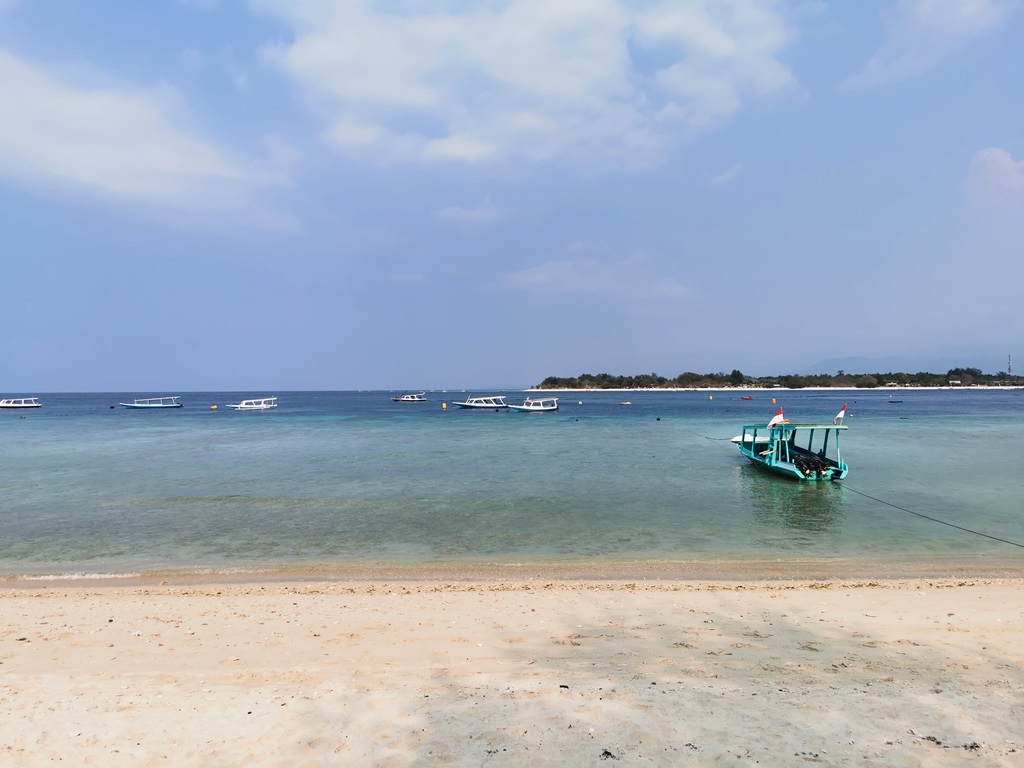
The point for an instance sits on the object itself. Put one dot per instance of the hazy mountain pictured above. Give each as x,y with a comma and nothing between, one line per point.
895,364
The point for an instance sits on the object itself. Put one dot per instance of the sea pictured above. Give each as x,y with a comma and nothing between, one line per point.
340,480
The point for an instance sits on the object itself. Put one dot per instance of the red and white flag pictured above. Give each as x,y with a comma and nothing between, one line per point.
776,419
840,416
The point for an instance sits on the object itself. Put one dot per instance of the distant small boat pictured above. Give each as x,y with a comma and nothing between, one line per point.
418,397
495,401
746,397
257,404
536,405
895,401
626,402
154,402
21,402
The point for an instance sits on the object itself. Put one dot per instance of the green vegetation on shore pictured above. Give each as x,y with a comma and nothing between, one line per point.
965,377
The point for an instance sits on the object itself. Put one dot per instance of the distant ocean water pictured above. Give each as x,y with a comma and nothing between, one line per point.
354,479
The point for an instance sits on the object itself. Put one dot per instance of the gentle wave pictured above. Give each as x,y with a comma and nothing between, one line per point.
77,576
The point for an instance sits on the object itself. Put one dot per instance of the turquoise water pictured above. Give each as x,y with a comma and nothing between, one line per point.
351,478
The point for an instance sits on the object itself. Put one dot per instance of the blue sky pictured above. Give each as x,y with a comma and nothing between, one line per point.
307,194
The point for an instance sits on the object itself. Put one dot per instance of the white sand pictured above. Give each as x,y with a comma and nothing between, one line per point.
911,673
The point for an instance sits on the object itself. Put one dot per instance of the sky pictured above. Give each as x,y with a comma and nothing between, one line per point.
400,194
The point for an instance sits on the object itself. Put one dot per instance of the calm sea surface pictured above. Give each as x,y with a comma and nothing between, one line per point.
351,478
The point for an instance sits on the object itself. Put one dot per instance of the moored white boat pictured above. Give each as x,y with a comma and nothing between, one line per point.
493,402
414,397
536,405
169,401
256,404
21,402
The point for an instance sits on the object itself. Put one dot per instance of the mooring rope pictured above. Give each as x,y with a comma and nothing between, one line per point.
929,517
698,434
903,509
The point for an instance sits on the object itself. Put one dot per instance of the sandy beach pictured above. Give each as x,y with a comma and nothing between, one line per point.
529,672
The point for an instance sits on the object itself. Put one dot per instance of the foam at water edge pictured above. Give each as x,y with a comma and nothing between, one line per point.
77,576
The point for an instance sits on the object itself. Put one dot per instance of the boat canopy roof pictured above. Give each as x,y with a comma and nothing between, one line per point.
792,427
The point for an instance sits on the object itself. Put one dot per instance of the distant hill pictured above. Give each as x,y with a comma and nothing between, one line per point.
904,363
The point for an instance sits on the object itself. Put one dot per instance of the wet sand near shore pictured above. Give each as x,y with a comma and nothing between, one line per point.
752,570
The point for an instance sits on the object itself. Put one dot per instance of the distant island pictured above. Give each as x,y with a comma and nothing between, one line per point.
955,377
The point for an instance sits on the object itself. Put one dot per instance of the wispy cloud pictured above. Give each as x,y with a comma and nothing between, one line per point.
238,77
728,175
586,246
130,145
921,33
627,279
407,278
996,180
534,81
485,211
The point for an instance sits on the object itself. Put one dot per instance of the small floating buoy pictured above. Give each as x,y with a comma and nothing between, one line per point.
444,406
213,407
580,402
711,397
773,401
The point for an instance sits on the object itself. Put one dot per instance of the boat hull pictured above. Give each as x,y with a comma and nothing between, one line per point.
489,403
787,469
132,406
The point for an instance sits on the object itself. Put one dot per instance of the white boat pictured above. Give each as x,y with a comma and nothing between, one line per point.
494,402
417,397
759,439
21,402
536,405
257,404
170,401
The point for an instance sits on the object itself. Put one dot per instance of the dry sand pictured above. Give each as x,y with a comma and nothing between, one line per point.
402,673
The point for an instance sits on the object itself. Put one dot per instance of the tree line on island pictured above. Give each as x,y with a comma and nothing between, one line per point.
964,377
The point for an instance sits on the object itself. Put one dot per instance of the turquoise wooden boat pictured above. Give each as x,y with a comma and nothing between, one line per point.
801,451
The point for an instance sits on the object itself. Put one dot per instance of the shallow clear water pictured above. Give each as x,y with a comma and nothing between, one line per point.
337,478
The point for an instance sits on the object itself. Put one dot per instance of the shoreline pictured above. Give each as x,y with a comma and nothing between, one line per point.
754,571
899,387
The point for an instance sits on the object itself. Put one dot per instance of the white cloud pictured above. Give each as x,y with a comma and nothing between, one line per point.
628,279
129,145
233,70
727,176
996,180
407,278
921,33
193,61
608,81
485,211
585,246
202,5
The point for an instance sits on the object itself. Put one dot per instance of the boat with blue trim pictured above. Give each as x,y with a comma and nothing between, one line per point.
170,401
536,405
